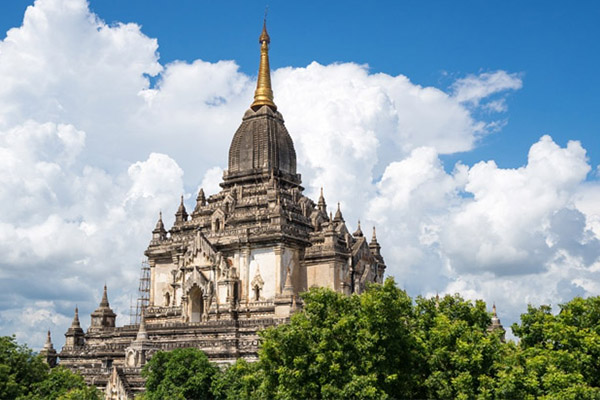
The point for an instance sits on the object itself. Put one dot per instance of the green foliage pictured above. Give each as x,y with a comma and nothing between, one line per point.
20,369
179,374
62,384
456,353
558,356
23,375
341,347
240,380
377,345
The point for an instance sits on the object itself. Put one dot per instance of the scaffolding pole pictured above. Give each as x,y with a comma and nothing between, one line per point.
143,294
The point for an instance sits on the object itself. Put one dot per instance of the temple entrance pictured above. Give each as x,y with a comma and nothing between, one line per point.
196,304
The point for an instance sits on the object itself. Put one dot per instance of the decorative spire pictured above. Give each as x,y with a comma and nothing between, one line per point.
75,323
321,204
48,352
103,317
159,232
75,336
159,224
48,345
338,215
200,200
104,301
358,232
496,325
181,215
374,246
374,237
263,96
142,334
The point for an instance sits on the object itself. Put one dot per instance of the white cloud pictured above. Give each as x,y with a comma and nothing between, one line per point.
212,178
507,235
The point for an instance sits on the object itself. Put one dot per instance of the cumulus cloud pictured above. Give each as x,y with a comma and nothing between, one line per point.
66,227
512,236
90,151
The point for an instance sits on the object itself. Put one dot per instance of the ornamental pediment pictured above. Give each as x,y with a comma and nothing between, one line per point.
199,252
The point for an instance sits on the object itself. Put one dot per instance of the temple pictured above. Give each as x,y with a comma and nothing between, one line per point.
233,265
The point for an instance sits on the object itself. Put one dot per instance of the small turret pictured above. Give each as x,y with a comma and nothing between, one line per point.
358,232
374,245
75,336
48,353
496,325
200,200
142,334
181,215
159,233
103,317
338,215
321,205
136,354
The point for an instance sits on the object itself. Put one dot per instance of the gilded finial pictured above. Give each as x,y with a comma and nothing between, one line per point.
263,95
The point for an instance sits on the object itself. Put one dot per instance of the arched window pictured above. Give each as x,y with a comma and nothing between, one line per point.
167,299
217,225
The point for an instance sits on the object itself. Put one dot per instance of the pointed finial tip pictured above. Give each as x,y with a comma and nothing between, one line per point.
263,95
264,36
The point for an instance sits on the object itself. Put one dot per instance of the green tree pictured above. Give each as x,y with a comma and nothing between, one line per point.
457,355
241,380
62,384
20,369
558,356
341,347
179,374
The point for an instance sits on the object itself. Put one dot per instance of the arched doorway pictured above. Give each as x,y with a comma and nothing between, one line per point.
196,304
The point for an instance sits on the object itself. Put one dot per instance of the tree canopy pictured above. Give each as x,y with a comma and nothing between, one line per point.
377,345
381,344
179,374
24,375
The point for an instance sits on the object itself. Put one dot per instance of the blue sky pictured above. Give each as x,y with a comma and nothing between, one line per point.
107,115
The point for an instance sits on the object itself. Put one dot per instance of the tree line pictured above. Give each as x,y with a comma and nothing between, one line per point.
377,345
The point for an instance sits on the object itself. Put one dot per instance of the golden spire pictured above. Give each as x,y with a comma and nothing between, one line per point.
263,96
